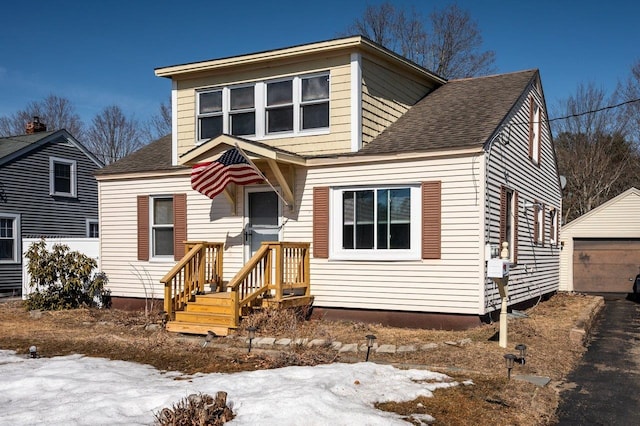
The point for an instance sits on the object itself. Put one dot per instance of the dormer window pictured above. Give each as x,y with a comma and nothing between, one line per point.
242,113
210,114
228,110
314,107
280,106
276,108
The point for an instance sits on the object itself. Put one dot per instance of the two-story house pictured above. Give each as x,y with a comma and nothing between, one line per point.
47,189
403,183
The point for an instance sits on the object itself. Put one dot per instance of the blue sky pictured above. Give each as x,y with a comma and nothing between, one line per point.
99,53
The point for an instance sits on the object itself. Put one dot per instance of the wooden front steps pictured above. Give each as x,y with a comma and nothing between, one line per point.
208,312
277,276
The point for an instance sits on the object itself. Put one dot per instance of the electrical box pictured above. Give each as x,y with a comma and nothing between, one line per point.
491,251
498,268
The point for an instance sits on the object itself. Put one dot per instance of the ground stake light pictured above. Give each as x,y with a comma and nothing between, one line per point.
208,338
370,339
33,352
252,335
509,359
164,317
522,348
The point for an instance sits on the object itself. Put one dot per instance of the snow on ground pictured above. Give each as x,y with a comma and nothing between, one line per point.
79,390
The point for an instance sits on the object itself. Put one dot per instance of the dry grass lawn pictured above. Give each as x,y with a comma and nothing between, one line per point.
492,399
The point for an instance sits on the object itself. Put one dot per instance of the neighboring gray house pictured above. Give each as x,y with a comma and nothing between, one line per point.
47,189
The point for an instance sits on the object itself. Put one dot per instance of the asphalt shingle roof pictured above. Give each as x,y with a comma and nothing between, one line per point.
460,113
11,144
155,156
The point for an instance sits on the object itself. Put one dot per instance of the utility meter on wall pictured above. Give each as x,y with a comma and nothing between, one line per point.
497,268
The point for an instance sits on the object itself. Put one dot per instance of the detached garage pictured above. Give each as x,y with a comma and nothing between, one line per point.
601,249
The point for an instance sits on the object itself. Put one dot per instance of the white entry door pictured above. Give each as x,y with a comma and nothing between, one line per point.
262,218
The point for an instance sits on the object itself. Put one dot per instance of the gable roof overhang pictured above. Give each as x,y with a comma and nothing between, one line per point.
26,143
631,192
256,151
294,53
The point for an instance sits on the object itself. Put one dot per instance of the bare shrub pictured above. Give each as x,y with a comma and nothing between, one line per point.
278,321
197,410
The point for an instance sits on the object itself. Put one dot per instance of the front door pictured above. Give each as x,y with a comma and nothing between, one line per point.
262,213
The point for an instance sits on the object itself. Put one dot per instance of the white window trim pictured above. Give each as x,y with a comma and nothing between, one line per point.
535,126
553,213
17,238
335,226
513,219
152,243
88,223
540,222
260,98
74,168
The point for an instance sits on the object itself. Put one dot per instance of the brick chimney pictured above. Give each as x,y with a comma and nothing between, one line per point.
35,126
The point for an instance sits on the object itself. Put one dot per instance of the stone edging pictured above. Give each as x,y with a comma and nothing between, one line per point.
582,329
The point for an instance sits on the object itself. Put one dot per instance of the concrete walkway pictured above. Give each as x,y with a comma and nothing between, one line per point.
605,387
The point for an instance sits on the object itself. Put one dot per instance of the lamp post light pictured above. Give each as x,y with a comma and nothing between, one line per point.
370,339
252,334
509,359
522,348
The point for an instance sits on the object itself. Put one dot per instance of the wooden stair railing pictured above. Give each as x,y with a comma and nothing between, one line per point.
276,271
200,266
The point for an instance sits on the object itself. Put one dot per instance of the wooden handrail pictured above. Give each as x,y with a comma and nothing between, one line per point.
276,268
201,265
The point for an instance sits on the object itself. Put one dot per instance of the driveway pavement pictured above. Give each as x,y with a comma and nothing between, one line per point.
605,388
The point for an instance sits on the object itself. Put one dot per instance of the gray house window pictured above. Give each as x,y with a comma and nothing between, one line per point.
62,177
9,238
92,228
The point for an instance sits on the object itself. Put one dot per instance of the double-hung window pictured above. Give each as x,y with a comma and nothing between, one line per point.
92,229
162,227
280,109
230,110
538,224
509,221
553,223
210,114
377,223
62,177
314,105
297,104
9,238
275,108
534,131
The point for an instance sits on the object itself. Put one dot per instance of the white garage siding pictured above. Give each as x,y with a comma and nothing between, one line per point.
617,218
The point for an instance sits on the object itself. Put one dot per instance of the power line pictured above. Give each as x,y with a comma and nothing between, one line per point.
593,111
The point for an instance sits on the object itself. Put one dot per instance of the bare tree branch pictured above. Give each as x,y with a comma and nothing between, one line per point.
54,111
451,46
112,135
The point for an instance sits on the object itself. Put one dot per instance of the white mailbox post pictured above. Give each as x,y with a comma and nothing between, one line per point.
498,271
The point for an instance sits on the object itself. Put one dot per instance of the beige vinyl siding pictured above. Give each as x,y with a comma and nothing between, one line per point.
209,221
387,94
618,218
450,284
338,139
508,164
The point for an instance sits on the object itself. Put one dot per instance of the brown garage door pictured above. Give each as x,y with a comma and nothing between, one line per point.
605,266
